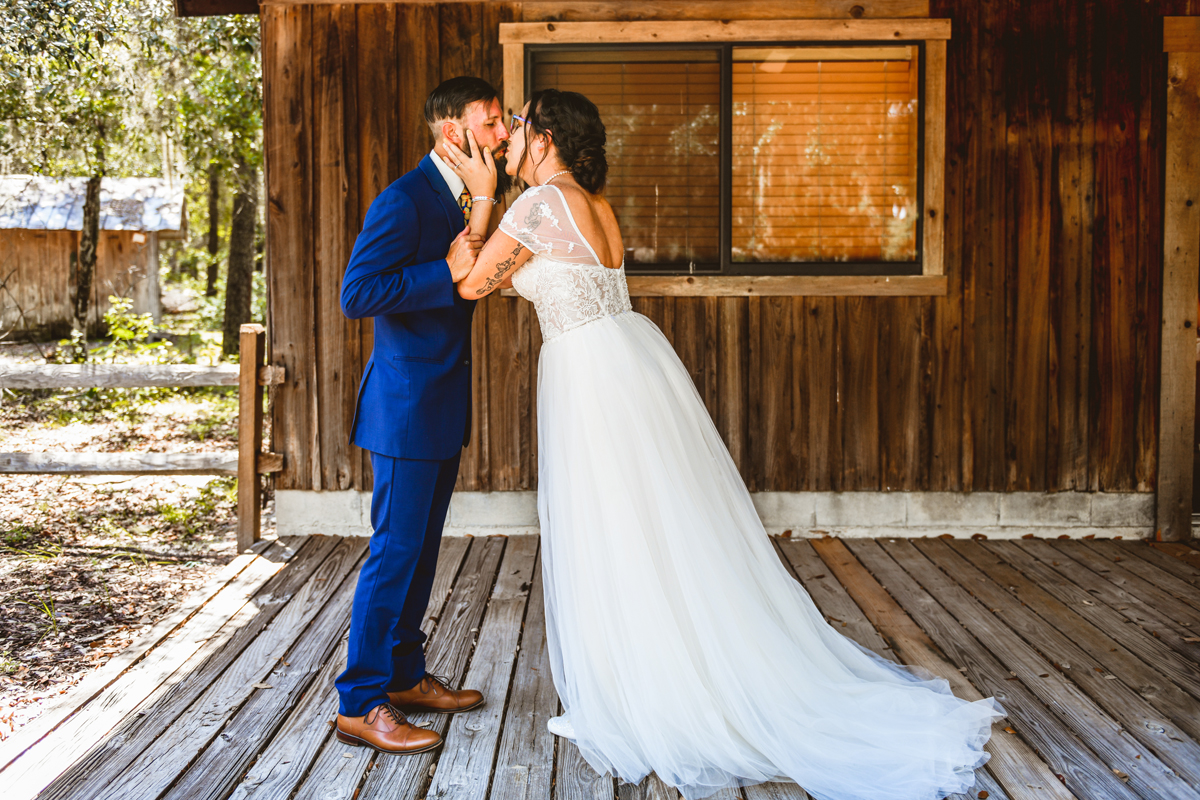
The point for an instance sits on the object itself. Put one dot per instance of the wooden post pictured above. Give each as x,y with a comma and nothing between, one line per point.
1181,271
250,422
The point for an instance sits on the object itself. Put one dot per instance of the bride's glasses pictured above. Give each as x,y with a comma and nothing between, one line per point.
515,125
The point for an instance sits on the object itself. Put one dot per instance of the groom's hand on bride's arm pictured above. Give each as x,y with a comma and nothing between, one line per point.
464,250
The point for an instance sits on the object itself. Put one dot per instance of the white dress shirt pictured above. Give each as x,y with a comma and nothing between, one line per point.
452,180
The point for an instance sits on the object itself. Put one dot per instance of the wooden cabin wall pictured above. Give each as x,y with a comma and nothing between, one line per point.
1037,372
35,269
35,266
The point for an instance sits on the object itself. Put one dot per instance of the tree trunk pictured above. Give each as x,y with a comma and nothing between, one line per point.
239,277
214,236
85,265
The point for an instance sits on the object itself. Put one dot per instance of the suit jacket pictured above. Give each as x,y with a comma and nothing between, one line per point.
415,397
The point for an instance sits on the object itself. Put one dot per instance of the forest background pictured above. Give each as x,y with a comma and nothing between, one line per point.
124,88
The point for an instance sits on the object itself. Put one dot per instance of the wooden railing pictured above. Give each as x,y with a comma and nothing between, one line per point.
248,462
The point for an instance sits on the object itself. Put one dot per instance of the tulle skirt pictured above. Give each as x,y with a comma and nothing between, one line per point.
678,641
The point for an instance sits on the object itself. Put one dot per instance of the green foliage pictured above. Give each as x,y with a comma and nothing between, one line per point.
192,516
224,412
129,337
45,605
123,87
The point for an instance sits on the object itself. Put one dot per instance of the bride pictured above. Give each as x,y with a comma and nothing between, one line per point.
679,642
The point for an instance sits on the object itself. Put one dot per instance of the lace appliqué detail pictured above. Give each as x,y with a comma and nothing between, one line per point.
565,281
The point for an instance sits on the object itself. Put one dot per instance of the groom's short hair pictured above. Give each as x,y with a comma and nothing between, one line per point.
451,98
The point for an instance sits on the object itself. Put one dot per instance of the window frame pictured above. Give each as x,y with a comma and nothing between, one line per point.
920,278
725,264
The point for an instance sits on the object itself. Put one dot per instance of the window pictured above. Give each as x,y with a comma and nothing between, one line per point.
746,156
821,147
660,110
825,155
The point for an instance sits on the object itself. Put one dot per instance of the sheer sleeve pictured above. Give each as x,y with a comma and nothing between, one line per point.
541,220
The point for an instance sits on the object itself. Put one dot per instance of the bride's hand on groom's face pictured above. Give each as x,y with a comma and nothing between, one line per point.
477,170
463,252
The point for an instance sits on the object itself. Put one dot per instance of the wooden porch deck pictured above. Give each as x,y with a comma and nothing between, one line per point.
1092,646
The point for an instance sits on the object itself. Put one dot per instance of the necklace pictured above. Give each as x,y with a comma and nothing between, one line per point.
555,175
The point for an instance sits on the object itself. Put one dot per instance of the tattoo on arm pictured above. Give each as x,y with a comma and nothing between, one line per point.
501,268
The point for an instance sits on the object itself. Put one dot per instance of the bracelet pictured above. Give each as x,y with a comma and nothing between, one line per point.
483,197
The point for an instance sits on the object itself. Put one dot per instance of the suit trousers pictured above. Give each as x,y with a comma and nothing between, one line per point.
385,649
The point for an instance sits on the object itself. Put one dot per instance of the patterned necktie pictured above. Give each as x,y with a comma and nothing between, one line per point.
464,202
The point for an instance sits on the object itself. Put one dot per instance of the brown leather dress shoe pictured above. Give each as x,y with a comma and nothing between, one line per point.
387,730
433,695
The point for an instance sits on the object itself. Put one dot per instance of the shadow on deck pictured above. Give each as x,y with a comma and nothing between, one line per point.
1092,646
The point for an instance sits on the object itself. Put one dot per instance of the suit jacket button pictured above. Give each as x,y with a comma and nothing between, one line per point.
467,361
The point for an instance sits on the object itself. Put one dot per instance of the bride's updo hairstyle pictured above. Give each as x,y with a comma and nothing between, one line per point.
574,125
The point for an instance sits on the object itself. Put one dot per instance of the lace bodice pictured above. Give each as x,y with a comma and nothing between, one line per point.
567,283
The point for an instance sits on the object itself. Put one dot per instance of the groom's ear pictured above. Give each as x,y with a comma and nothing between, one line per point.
449,133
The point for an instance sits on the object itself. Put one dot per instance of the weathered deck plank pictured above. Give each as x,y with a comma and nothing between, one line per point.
298,745
1103,734
159,658
204,732
163,753
395,777
106,761
1116,597
221,766
1083,772
775,791
1129,710
1014,762
1156,555
836,604
465,764
1112,655
1177,587
525,764
1149,591
652,788
1183,671
831,597
575,780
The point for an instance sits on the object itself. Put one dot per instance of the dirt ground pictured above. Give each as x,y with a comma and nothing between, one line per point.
86,563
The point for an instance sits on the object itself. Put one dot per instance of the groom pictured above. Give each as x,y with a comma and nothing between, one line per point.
413,415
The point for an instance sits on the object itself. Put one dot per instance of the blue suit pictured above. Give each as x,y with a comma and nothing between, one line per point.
413,415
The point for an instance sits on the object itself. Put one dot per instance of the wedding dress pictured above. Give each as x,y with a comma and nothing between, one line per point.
678,641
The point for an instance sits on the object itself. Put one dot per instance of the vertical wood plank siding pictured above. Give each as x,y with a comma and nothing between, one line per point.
1037,372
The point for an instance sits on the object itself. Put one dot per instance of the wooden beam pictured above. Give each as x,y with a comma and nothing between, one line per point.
1181,275
1181,34
514,93
589,10
782,286
128,376
626,9
213,8
726,31
253,339
115,376
62,463
934,224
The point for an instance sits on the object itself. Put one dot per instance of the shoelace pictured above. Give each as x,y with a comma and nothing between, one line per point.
436,679
396,715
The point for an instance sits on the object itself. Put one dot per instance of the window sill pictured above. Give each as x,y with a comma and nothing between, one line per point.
783,286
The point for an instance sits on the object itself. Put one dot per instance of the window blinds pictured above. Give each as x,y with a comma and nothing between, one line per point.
824,149
824,154
660,110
